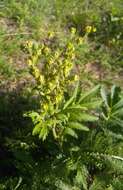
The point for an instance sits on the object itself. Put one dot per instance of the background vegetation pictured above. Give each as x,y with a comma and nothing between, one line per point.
87,144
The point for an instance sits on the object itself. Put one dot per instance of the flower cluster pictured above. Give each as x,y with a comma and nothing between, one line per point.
51,79
90,29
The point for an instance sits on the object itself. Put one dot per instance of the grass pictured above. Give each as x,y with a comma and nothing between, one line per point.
23,20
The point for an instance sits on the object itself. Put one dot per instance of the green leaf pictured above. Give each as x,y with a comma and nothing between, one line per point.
72,98
113,90
76,90
71,132
61,185
62,117
77,107
118,113
117,121
98,184
68,102
92,105
18,184
44,132
113,135
36,129
33,115
104,96
79,126
81,177
83,117
89,94
75,149
119,105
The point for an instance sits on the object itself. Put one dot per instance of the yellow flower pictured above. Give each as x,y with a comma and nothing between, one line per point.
52,85
57,54
94,29
73,30
36,73
76,78
30,62
70,47
51,35
45,106
58,98
29,44
41,78
39,52
51,61
66,71
72,56
47,50
88,29
80,40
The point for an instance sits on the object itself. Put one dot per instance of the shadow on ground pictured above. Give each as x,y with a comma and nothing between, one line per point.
14,128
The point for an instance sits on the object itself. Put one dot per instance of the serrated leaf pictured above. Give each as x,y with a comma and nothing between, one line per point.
79,126
71,132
